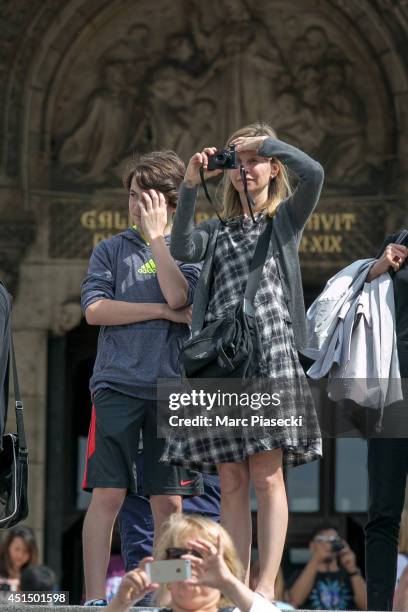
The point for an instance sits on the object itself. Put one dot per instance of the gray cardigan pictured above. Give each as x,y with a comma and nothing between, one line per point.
195,244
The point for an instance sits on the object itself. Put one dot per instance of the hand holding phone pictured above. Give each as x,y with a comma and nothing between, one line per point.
134,586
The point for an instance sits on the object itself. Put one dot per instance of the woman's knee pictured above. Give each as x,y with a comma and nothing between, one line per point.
266,472
234,478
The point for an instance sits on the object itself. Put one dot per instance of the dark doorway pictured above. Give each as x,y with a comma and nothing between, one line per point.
71,360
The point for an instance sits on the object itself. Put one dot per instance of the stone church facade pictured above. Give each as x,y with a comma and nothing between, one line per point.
86,84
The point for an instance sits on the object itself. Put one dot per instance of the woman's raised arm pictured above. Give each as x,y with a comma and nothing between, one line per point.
189,243
309,172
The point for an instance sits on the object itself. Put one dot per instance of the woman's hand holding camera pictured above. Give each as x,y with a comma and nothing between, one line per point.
153,214
134,586
192,176
393,257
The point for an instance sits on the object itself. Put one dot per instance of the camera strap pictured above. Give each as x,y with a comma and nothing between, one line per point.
207,195
248,196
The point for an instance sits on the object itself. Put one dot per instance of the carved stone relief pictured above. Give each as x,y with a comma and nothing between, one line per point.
190,79
16,235
66,316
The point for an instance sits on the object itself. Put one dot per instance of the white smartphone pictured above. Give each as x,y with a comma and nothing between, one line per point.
173,570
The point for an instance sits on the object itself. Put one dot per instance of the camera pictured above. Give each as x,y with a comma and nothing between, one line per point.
335,542
336,545
226,159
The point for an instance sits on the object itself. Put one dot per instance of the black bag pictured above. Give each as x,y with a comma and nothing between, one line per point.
14,463
225,348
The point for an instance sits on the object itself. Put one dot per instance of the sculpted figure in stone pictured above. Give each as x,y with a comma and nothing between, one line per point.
100,137
170,95
343,119
248,60
180,112
295,121
67,316
323,109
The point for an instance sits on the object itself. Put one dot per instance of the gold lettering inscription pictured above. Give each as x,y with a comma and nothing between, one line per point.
88,219
321,243
327,222
104,224
105,219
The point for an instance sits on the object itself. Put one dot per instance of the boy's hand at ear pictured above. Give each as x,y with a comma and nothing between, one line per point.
153,214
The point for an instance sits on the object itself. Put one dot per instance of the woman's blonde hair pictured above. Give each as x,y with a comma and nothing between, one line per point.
182,527
403,536
279,186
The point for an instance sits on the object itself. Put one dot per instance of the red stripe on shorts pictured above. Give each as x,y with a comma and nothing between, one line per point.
90,449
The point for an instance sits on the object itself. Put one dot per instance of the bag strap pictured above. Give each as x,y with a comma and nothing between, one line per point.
256,267
22,444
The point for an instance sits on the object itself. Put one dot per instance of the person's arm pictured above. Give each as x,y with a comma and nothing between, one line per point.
115,312
243,598
359,587
309,172
133,587
392,256
212,571
348,561
98,298
301,588
189,243
4,314
172,282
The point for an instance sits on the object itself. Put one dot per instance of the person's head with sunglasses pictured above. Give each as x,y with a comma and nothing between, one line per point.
217,573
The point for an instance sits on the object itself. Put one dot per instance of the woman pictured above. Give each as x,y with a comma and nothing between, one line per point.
279,313
18,550
216,571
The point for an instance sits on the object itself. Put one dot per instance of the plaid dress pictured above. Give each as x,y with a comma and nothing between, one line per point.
279,359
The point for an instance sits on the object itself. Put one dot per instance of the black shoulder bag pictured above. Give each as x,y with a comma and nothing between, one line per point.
14,462
225,348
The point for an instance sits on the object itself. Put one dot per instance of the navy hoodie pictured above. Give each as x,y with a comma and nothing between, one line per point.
132,357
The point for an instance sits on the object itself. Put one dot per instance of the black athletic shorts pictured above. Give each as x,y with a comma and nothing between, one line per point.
113,443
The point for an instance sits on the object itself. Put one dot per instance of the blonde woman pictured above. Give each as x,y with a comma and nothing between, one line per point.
217,572
280,317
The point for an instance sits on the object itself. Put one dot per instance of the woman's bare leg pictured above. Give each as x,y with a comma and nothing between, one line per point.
267,477
235,508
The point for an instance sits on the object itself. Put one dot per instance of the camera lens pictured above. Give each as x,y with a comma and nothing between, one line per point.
221,157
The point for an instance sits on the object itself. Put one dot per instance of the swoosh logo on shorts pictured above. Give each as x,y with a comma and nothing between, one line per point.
185,483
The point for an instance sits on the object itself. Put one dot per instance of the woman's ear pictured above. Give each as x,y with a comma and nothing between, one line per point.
274,169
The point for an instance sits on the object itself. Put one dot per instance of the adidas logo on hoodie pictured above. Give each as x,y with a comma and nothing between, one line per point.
148,268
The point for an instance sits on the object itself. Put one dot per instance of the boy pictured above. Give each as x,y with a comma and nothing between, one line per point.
141,298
